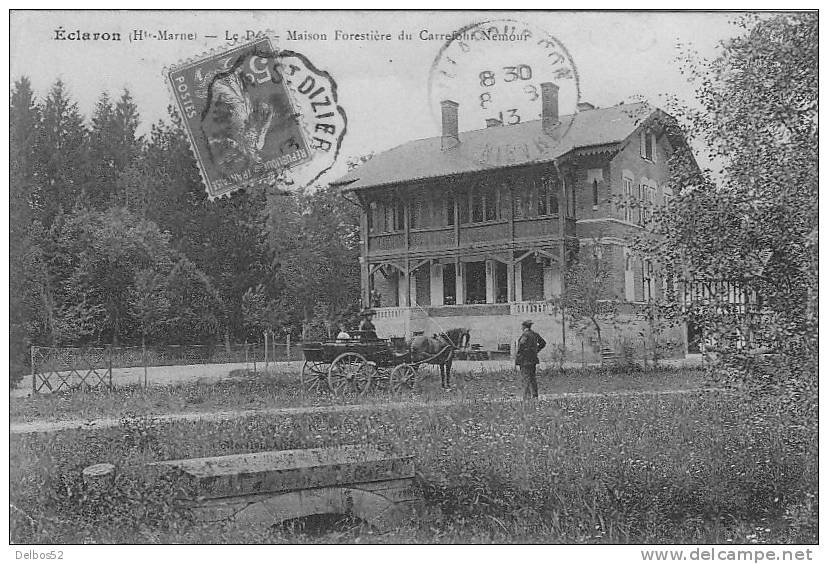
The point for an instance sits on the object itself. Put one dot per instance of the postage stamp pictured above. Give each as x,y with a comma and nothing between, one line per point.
257,116
499,72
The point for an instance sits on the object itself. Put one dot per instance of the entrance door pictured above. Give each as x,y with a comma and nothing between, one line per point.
449,284
694,337
476,282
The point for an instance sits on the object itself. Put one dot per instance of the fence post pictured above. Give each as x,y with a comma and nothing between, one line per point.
266,345
34,385
110,369
288,347
144,358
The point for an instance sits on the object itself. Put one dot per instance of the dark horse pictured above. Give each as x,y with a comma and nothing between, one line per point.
423,348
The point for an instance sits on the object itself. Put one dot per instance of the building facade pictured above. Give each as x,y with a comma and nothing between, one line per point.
475,229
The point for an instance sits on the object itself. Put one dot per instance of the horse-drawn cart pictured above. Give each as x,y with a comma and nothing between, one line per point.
362,363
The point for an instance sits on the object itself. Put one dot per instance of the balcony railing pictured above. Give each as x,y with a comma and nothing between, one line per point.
520,308
475,233
440,238
386,242
515,308
389,312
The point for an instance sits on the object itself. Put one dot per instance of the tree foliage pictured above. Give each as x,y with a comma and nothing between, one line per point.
114,239
588,299
754,224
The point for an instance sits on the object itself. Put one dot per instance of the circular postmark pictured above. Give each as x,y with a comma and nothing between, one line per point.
506,73
258,116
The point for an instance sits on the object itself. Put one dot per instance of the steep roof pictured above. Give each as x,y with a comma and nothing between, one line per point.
497,147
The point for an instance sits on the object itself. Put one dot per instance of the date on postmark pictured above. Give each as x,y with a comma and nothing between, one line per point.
247,121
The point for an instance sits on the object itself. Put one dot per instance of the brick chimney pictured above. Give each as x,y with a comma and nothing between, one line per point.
451,136
549,106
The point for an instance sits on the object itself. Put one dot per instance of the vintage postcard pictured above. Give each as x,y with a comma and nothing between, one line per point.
415,277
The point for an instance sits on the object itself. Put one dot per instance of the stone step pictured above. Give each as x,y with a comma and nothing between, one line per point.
263,488
287,470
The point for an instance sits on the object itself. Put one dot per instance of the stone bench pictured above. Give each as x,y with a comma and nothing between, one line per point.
270,487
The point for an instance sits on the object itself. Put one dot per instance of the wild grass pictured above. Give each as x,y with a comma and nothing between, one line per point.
245,390
696,468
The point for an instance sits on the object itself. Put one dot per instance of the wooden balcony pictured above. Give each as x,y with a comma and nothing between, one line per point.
541,227
473,233
470,234
434,238
386,242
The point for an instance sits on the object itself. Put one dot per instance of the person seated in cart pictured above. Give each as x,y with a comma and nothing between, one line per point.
366,328
343,334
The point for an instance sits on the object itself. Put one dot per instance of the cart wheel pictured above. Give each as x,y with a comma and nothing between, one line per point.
314,377
350,372
404,376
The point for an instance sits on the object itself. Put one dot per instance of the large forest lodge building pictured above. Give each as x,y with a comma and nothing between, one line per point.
468,229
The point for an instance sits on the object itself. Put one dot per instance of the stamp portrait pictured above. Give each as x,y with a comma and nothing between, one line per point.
253,113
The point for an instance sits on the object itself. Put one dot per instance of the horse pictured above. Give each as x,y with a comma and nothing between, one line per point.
423,347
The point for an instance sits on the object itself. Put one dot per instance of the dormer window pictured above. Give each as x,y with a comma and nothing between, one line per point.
648,142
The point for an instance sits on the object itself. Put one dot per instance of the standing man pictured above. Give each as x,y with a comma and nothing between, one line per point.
369,332
528,347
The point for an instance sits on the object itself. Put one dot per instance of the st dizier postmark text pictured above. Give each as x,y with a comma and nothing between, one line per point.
258,116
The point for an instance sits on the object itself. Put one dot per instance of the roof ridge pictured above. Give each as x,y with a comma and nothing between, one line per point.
421,158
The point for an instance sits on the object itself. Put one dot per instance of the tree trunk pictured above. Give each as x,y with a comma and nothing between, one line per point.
600,340
116,326
227,341
306,322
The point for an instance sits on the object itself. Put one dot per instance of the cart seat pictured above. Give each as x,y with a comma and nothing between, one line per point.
401,357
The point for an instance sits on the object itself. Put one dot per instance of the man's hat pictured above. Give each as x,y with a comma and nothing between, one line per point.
527,323
366,312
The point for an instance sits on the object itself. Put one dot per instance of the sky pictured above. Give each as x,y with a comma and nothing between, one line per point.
383,86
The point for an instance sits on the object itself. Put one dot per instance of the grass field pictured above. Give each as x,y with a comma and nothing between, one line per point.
694,468
253,391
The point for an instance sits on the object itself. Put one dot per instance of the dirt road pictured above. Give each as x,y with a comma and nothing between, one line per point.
206,373
56,426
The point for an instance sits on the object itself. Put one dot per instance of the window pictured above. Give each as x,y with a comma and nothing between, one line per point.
416,212
449,209
387,217
628,212
648,142
629,277
649,201
594,191
543,197
668,196
490,198
371,213
570,199
668,284
548,196
647,275
399,216
463,205
517,206
531,203
640,201
482,207
477,206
